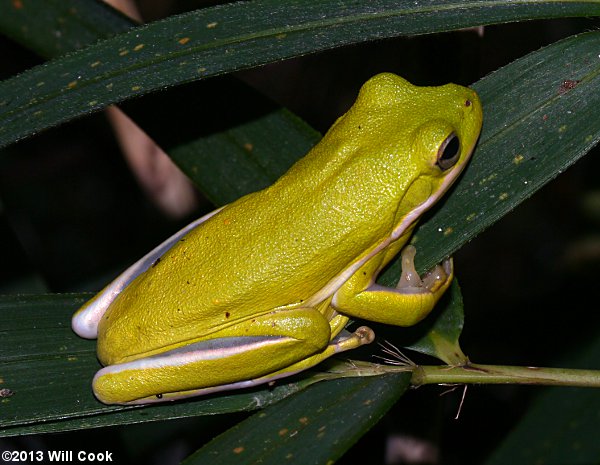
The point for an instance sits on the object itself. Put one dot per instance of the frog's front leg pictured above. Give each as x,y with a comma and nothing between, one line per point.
260,350
407,304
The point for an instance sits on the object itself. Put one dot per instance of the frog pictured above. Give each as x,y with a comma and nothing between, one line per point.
264,287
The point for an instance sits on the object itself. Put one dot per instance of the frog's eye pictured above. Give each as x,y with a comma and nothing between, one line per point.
449,152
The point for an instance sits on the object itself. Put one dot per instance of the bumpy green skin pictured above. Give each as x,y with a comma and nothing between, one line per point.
293,262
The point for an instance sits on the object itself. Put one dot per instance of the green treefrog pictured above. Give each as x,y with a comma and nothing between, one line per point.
262,288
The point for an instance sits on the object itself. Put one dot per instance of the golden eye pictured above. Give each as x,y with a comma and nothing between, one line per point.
448,153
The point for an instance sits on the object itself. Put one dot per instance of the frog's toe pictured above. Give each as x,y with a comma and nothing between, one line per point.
436,280
439,276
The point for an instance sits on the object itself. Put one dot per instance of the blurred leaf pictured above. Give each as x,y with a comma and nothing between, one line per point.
261,143
316,426
226,38
560,427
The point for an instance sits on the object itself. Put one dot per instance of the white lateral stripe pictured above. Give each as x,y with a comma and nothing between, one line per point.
213,389
187,357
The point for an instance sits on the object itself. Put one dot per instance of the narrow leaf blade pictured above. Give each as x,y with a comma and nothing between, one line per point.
49,371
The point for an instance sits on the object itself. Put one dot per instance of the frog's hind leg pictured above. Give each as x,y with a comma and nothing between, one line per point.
273,346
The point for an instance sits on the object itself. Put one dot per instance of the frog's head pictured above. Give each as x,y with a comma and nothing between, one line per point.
425,135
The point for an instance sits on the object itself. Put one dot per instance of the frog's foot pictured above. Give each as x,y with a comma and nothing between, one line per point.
347,341
435,280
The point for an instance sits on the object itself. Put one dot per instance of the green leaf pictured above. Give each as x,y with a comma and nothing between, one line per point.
226,38
48,370
316,426
53,27
560,427
534,128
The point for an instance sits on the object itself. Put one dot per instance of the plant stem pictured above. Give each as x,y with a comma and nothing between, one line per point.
499,374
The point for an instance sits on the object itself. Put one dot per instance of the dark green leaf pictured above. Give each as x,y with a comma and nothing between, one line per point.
535,126
314,427
53,27
261,143
226,38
